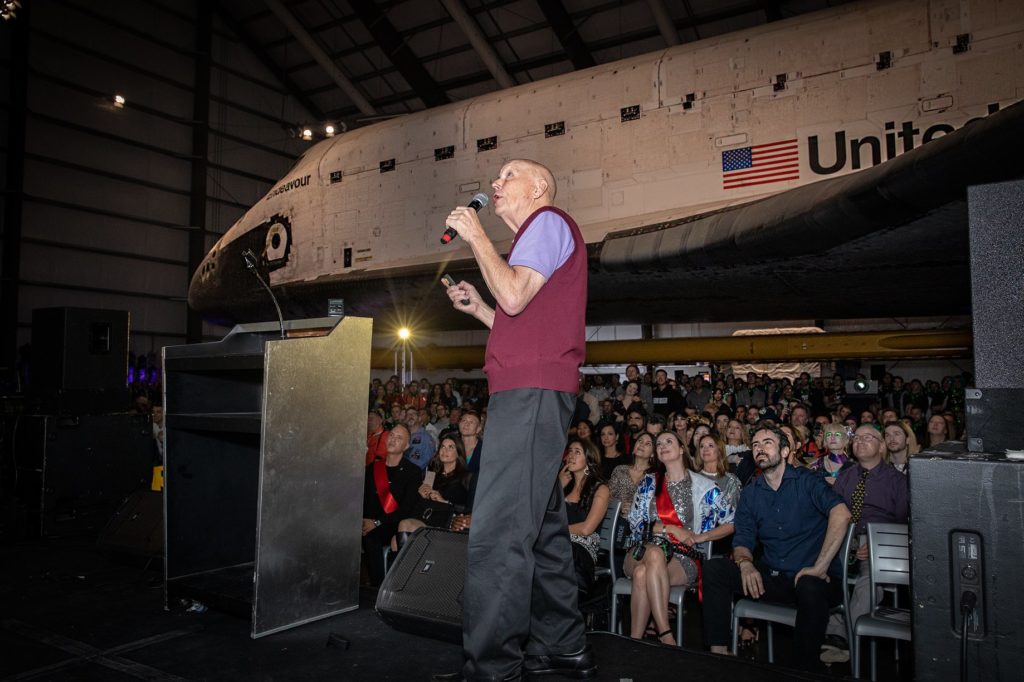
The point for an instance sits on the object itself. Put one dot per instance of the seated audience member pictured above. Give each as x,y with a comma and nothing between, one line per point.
799,415
721,422
673,511
887,415
717,403
834,457
918,424
376,437
937,430
867,417
753,417
900,445
586,503
633,374
655,424
448,493
711,462
677,423
796,452
612,454
421,445
737,451
389,494
875,493
700,429
626,477
799,522
629,400
585,430
636,423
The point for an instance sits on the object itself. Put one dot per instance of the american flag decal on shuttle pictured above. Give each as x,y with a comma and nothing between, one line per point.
761,164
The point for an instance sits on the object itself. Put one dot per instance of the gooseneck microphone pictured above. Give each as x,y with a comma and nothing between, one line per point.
478,202
250,263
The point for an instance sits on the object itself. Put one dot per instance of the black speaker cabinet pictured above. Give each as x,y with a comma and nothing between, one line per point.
996,216
967,536
80,359
137,527
422,592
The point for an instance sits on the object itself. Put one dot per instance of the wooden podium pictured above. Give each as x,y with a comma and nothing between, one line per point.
265,444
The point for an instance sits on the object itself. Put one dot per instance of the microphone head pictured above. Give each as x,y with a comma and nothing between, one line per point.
250,259
479,201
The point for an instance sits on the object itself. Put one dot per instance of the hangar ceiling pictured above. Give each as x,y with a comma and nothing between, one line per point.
351,62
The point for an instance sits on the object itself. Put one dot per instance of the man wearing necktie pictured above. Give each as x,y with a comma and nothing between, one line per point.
876,493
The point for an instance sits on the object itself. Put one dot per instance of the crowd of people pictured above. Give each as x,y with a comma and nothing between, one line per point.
744,486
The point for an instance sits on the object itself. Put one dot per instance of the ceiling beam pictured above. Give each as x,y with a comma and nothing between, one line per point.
518,67
269,64
398,52
321,58
664,21
568,35
479,42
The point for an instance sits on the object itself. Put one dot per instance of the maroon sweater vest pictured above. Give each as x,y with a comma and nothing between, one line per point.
545,344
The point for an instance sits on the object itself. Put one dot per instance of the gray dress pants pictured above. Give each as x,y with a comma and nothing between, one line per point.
520,592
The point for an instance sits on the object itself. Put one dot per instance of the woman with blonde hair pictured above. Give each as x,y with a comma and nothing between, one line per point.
900,445
835,456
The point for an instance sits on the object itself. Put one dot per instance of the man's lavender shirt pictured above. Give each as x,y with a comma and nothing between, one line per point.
546,246
885,494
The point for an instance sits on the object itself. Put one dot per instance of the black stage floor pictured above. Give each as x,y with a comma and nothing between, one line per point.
69,612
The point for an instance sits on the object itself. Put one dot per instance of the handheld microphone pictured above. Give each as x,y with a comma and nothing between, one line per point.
250,263
478,202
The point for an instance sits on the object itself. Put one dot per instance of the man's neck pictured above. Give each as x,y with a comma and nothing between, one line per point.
469,442
773,477
394,460
869,465
899,457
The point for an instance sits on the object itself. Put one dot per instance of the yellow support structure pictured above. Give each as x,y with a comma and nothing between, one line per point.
886,345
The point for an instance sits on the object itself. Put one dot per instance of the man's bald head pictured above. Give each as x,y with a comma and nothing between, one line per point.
543,176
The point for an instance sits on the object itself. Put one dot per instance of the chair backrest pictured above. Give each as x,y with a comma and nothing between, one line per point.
890,554
844,554
608,528
610,525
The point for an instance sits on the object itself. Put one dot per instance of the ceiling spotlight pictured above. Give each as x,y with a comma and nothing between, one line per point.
119,101
329,130
9,8
307,134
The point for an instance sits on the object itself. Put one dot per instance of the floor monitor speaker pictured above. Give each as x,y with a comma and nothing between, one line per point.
422,591
966,528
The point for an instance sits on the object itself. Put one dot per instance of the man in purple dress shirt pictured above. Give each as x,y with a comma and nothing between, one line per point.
885,501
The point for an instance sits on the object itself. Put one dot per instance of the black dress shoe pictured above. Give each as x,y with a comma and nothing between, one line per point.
457,677
580,665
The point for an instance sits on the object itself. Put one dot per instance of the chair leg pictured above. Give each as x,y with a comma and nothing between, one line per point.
680,611
874,651
771,643
855,657
735,632
616,625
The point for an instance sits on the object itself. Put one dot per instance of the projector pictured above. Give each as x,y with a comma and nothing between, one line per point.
861,387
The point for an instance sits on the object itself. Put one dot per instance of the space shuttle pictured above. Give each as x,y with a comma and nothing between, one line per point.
816,167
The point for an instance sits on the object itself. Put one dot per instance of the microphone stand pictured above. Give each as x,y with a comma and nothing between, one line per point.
250,264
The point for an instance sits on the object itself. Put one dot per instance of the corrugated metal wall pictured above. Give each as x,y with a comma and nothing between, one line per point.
106,189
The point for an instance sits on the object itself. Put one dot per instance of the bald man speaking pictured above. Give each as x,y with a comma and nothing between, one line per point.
520,615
